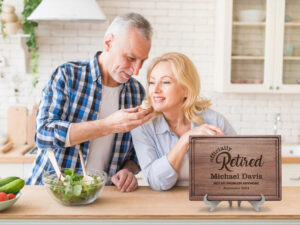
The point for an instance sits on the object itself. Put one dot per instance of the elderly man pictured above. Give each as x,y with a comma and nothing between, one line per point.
93,105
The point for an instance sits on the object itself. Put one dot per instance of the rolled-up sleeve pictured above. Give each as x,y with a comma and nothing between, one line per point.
155,166
51,124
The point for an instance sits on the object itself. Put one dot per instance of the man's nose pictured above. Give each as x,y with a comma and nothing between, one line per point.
136,67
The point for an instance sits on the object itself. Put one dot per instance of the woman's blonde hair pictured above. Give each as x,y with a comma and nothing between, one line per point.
187,76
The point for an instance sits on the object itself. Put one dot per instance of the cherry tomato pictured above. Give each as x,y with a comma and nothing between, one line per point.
3,196
11,196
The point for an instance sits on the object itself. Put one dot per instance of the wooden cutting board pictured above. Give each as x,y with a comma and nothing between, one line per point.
31,126
17,125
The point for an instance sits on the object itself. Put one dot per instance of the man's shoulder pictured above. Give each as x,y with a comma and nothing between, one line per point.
72,70
73,65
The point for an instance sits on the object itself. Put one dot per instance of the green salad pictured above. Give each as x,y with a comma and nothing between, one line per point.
73,190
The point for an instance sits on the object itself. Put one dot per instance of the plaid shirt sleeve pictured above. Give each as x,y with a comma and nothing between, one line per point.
132,156
52,127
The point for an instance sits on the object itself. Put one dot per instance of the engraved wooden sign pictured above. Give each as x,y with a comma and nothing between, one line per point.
235,167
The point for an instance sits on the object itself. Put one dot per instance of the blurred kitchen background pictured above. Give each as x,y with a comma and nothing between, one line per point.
247,53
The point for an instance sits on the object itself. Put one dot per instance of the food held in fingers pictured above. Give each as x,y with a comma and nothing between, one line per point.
145,106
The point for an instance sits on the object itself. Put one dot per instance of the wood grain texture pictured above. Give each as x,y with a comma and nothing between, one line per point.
17,124
6,147
145,203
235,167
31,126
290,160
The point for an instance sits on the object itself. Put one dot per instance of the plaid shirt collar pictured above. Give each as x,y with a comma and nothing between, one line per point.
95,68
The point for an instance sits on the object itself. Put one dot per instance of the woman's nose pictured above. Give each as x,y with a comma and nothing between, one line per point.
157,87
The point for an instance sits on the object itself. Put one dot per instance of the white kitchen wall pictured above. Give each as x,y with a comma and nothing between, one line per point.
184,26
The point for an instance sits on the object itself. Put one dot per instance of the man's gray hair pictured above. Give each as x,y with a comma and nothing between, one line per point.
124,22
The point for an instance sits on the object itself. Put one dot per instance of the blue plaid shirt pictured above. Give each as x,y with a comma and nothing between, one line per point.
72,95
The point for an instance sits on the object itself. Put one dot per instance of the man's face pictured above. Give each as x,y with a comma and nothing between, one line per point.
127,55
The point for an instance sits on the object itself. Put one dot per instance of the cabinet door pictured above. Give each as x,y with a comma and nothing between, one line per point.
290,175
246,42
287,72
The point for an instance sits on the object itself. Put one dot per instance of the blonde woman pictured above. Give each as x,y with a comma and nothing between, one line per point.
161,145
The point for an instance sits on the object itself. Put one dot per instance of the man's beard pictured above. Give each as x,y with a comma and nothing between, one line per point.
119,78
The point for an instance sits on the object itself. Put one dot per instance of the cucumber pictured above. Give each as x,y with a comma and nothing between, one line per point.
13,187
7,180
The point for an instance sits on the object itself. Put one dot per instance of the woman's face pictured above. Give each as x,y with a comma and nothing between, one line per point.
166,94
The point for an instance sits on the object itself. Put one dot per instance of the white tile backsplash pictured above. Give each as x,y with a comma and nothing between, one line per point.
185,26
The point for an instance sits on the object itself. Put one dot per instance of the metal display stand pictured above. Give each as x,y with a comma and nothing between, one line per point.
214,204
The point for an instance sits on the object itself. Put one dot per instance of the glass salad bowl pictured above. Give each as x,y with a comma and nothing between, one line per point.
73,190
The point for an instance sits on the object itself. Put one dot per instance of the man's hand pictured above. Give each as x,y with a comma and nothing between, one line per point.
125,120
125,181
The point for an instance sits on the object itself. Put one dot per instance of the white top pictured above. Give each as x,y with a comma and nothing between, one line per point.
183,173
100,148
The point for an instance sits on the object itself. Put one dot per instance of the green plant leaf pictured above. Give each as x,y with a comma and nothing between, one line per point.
29,28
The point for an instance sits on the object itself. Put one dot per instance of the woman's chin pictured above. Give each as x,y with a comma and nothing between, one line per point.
157,109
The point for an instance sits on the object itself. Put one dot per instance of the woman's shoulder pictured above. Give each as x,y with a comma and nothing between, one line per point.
211,116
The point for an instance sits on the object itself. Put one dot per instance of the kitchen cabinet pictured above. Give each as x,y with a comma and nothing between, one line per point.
16,166
258,56
290,174
21,170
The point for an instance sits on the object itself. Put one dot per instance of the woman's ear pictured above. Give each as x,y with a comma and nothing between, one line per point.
108,42
185,93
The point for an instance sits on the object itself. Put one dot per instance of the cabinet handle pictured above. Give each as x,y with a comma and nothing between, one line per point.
271,87
277,88
295,178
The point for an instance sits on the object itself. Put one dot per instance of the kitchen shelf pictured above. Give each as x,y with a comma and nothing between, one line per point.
16,36
290,160
254,24
292,58
246,57
292,24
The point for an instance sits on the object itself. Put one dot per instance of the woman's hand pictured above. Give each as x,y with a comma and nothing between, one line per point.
205,129
175,156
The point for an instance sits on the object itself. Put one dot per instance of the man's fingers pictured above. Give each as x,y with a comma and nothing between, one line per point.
138,115
131,110
142,120
133,185
127,182
115,180
123,178
147,117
